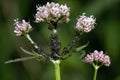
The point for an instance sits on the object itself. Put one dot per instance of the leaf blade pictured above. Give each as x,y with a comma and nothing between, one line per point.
82,47
20,59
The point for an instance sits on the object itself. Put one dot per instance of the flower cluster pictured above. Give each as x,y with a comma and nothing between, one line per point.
21,28
52,12
97,56
85,24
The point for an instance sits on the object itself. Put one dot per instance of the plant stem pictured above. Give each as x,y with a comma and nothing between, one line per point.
54,31
57,69
31,41
95,74
96,67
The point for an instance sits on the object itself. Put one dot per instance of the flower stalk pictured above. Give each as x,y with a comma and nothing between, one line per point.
96,67
57,69
31,41
95,74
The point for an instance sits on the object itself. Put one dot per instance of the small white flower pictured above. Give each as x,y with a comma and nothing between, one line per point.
89,58
85,24
106,60
55,11
21,28
52,11
97,56
65,10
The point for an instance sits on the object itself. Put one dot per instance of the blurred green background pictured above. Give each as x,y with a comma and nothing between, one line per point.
106,37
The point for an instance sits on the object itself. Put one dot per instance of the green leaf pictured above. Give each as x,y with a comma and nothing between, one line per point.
82,47
27,52
20,59
83,54
33,53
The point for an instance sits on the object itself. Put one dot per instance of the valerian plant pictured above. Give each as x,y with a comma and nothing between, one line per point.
54,14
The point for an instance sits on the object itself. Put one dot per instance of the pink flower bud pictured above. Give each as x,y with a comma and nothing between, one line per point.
97,56
85,24
21,28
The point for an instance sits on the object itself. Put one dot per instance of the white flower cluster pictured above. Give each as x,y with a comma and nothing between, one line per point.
97,56
85,24
21,28
52,11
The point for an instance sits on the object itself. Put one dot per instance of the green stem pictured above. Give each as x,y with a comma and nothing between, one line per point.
96,67
31,41
54,31
50,25
57,69
95,74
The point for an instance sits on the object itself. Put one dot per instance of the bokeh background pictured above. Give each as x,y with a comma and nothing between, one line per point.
106,37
